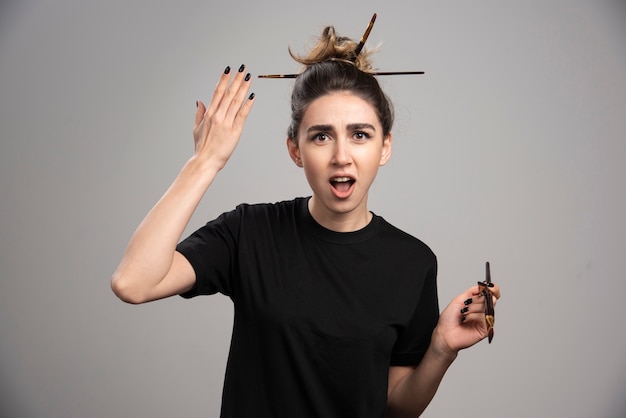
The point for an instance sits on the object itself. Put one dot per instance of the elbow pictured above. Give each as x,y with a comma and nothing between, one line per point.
123,289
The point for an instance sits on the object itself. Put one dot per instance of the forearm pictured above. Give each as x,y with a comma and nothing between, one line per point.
149,254
411,396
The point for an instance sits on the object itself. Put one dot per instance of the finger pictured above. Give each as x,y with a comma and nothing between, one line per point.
496,291
219,91
235,109
242,115
469,293
475,319
200,110
474,305
226,103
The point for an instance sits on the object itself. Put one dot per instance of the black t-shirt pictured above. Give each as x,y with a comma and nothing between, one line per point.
319,315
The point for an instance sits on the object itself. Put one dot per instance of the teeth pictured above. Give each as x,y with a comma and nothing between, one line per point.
341,179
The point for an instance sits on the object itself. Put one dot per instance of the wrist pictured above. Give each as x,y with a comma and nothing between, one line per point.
440,348
200,168
195,176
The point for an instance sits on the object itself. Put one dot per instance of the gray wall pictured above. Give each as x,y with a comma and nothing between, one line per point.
510,149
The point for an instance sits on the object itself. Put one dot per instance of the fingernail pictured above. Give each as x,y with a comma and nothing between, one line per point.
227,70
251,96
464,310
463,318
241,68
468,301
247,78
196,103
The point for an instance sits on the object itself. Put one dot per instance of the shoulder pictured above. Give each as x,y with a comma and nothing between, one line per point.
402,239
280,205
253,217
281,208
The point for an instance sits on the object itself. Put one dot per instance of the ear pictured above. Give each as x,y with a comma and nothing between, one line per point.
386,153
294,151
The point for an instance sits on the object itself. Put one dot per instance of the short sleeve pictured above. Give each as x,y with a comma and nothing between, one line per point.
414,339
212,252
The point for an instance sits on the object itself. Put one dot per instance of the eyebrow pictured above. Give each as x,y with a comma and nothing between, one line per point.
351,127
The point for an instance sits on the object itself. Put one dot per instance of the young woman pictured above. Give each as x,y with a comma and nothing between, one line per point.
336,310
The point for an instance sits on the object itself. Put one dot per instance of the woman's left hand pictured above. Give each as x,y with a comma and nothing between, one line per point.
462,323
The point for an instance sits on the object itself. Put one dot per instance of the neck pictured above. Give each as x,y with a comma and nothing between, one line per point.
349,221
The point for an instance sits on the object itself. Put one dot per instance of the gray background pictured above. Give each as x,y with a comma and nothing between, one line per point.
510,149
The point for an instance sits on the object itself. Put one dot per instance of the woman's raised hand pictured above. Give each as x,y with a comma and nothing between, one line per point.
218,127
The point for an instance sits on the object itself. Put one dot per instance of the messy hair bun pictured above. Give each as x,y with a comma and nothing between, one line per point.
334,65
335,48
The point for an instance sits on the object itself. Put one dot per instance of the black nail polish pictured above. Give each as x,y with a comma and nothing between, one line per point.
468,301
196,103
247,77
463,318
251,96
227,70
464,310
242,68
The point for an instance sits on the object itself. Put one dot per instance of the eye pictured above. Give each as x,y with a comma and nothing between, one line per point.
361,136
320,137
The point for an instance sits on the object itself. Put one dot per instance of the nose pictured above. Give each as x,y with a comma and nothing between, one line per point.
341,153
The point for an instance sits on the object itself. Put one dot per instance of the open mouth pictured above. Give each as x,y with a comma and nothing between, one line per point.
342,185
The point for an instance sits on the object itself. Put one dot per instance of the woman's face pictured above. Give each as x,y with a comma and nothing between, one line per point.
340,146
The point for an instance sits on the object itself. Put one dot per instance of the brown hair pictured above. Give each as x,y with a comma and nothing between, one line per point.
332,65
